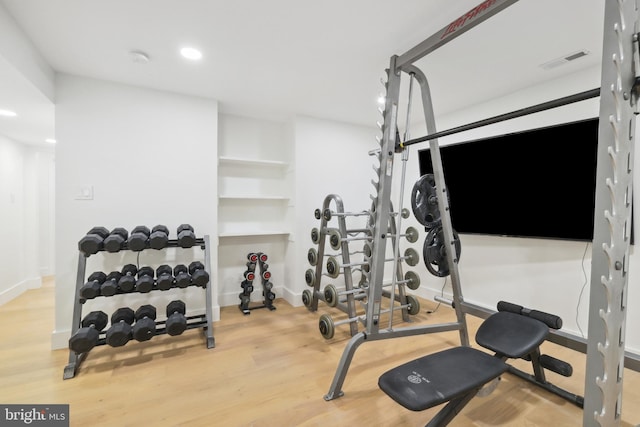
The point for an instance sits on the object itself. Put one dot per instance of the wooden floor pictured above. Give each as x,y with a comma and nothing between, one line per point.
270,368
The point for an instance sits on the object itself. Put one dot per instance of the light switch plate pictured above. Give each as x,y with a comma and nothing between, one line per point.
84,192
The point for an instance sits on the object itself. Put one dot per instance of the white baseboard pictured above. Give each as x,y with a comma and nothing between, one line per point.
16,290
60,339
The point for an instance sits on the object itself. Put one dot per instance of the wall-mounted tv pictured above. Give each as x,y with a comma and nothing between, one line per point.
536,183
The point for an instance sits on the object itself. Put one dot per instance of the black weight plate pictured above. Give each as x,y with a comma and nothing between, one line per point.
424,201
434,253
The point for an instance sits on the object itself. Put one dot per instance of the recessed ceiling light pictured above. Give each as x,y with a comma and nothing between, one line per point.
50,140
191,53
7,113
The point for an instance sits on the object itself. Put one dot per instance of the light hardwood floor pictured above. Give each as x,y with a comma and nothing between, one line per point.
270,368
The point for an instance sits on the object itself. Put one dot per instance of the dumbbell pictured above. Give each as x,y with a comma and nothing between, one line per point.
139,238
92,242
145,327
159,237
116,239
252,257
119,333
199,275
186,236
181,273
128,280
247,287
87,336
110,285
251,266
176,320
145,280
249,275
164,277
91,288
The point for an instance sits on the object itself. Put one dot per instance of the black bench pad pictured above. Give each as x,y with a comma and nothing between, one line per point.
511,335
440,377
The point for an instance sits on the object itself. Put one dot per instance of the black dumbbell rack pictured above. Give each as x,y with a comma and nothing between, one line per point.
245,306
203,321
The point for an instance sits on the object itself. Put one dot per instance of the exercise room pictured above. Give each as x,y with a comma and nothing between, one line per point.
287,213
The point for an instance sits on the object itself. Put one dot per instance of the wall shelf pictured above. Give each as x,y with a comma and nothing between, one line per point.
252,197
224,160
253,233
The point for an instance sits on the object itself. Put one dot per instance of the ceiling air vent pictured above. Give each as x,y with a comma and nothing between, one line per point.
564,59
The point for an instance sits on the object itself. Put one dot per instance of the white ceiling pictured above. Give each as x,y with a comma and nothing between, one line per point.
323,59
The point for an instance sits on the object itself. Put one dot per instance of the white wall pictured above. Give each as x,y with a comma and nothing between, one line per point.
150,158
17,49
544,274
26,213
330,158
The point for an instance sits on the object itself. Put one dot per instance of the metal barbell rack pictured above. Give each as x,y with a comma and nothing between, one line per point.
351,293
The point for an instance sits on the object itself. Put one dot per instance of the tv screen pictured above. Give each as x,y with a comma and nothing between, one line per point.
536,183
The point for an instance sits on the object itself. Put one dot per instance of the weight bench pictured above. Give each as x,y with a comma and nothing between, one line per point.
456,375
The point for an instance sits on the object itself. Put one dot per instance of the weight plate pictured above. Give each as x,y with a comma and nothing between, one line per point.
334,238
424,201
312,257
310,277
307,298
414,305
434,252
331,295
326,326
413,280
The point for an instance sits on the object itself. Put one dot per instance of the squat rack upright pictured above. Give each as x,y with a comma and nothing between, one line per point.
619,94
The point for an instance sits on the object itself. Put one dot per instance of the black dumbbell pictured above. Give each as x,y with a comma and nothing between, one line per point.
92,242
128,280
164,277
145,327
145,280
119,333
159,237
176,320
110,285
186,236
91,288
199,275
139,238
87,336
181,273
115,240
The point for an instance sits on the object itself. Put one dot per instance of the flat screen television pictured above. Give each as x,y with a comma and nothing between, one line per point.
537,183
